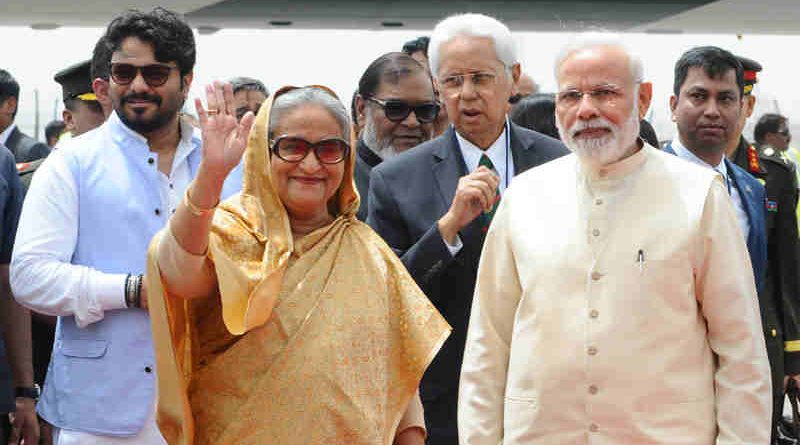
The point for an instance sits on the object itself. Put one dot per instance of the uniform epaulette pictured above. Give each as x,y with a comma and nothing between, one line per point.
768,153
753,165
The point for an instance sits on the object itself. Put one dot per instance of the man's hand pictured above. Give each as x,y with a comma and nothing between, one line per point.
786,378
476,193
410,436
24,424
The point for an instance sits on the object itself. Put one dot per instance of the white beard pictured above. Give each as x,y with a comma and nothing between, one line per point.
605,150
382,148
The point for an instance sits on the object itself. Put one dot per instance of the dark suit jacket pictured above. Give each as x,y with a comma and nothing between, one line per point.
366,160
25,148
407,196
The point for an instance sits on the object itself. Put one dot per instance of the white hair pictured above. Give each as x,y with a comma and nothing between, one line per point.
589,40
474,25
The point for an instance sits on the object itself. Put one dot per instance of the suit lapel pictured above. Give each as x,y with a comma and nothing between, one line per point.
748,198
448,166
524,158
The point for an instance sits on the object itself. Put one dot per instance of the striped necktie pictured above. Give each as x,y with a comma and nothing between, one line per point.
488,215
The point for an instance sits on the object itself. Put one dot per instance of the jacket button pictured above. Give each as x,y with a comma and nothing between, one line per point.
158,212
594,428
148,369
596,276
591,350
594,313
774,333
150,161
593,389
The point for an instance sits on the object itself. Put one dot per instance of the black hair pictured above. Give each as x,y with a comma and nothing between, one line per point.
389,67
714,61
101,59
536,112
416,45
54,129
248,84
171,37
648,133
8,88
353,111
768,123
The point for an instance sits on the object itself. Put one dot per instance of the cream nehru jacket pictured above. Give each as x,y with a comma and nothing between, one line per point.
615,306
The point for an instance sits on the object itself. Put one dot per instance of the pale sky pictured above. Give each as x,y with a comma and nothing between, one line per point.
337,58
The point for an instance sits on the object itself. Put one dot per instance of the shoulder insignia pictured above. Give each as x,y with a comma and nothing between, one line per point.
23,167
752,159
762,181
769,151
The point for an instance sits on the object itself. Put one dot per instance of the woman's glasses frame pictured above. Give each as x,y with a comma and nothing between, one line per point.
282,144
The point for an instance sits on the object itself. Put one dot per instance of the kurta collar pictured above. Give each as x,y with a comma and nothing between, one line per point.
619,169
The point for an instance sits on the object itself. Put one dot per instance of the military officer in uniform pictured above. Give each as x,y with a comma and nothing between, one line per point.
780,304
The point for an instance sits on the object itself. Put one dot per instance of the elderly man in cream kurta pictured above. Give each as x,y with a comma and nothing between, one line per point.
615,301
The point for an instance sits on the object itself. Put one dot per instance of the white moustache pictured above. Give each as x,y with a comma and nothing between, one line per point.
596,123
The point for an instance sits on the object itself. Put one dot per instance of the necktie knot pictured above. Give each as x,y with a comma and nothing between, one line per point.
486,162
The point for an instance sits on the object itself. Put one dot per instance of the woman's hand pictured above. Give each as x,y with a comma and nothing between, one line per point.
224,139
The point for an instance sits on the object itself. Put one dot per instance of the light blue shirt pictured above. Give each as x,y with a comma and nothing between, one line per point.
499,153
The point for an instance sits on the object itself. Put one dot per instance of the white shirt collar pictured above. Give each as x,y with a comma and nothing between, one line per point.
497,152
686,154
7,133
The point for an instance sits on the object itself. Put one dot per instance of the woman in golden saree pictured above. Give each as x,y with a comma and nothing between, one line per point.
278,317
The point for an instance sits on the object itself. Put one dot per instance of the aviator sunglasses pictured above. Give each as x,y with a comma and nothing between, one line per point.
154,75
398,110
295,149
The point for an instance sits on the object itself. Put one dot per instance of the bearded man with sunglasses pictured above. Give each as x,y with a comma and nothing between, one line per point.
395,108
89,215
434,203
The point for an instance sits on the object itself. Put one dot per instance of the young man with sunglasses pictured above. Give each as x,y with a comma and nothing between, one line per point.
396,108
434,203
86,223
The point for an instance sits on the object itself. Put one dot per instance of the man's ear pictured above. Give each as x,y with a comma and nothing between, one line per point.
361,105
69,122
673,104
645,97
749,105
100,87
186,83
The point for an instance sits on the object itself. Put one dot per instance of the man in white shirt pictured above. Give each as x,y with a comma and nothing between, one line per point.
615,303
89,215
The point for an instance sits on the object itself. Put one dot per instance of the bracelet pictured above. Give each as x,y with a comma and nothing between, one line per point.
133,291
193,209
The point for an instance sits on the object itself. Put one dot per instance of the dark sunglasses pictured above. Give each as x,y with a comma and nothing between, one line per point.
294,149
154,75
784,132
398,110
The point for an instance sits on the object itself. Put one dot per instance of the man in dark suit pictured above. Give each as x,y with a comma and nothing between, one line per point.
23,147
707,106
395,108
434,203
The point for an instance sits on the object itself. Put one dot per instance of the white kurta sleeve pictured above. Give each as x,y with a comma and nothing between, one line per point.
483,373
42,277
727,295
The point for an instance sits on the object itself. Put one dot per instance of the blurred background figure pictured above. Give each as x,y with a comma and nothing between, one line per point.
53,131
418,50
648,133
248,95
537,113
82,112
23,147
526,87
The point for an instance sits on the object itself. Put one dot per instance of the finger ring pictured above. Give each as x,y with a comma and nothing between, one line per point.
212,112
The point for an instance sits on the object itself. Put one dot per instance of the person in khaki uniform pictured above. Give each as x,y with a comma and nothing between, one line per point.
615,302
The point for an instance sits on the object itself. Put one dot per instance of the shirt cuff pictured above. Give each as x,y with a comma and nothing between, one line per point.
109,291
455,247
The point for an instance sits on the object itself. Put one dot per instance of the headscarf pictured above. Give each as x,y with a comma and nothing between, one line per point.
309,282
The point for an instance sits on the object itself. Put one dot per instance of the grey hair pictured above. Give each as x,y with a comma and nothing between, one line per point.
474,25
309,95
601,39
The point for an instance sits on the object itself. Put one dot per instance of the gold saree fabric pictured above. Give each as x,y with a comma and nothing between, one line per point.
321,340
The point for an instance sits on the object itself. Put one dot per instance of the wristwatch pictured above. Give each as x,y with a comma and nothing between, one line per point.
28,392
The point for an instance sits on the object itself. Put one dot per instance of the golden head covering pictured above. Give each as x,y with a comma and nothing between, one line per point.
323,339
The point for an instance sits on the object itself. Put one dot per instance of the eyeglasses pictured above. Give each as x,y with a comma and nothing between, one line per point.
295,149
480,81
601,95
154,75
398,110
784,132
